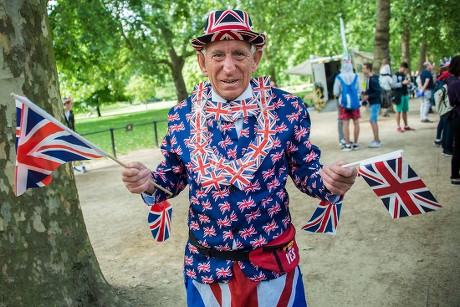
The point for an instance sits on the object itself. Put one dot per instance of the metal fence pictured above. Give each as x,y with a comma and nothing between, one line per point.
128,127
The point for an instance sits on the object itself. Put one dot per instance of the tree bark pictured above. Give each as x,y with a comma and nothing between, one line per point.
46,256
382,34
405,42
177,63
422,58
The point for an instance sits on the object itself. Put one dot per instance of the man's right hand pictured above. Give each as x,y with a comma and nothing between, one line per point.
137,178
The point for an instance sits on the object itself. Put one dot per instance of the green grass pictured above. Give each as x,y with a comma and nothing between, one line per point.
141,137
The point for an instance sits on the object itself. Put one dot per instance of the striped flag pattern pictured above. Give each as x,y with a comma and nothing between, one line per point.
325,218
159,220
43,144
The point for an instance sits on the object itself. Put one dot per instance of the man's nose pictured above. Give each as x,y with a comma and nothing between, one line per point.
229,63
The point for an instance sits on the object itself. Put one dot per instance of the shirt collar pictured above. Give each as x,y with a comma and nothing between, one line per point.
246,94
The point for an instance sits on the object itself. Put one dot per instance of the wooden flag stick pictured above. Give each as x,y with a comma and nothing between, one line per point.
390,155
151,181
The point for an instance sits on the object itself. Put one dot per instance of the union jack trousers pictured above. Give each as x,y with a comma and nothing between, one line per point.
286,290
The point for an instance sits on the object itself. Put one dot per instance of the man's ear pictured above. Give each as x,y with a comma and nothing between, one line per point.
256,57
202,63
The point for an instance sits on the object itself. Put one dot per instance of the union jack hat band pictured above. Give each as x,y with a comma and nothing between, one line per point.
229,25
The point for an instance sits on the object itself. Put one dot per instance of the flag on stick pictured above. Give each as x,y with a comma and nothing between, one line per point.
325,218
43,144
159,220
344,41
393,180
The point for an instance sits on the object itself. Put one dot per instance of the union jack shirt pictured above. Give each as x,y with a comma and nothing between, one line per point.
238,199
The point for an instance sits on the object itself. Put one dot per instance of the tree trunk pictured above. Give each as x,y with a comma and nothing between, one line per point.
98,110
405,40
271,69
422,59
177,63
382,34
46,256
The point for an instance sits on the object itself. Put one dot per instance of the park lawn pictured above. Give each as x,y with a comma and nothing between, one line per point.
97,130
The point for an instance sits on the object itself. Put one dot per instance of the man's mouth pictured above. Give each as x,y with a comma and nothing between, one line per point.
229,81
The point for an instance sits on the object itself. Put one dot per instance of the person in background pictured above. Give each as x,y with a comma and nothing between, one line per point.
444,134
386,83
413,79
348,75
371,97
69,118
401,81
234,142
330,90
453,91
426,88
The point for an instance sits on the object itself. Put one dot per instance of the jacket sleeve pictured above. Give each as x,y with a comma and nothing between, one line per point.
359,87
453,91
375,89
337,87
170,174
303,158
396,84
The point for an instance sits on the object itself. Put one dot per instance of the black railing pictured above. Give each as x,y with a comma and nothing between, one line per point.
128,127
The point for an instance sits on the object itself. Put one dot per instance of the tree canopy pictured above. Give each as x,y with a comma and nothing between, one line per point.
101,45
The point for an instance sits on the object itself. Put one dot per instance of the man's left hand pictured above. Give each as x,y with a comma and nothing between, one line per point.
337,179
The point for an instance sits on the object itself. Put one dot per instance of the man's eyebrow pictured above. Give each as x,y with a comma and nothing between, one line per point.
216,51
241,50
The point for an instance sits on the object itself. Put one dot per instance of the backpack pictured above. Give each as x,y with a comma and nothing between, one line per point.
442,101
438,87
349,98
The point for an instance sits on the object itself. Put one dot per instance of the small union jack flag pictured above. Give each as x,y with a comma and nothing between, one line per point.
325,218
159,220
43,144
403,193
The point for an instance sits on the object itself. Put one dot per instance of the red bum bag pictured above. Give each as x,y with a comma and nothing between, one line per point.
281,255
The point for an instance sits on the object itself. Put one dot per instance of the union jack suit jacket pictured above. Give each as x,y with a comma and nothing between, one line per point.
237,198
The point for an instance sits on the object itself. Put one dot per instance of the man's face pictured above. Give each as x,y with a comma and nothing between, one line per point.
429,66
68,105
365,70
229,66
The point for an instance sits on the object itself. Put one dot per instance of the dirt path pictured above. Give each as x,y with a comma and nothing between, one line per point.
372,261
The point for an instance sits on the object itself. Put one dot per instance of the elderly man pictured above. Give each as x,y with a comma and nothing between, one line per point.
234,141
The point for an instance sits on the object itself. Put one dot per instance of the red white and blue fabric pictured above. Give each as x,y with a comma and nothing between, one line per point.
287,290
159,220
237,201
228,25
402,192
42,145
325,218
223,170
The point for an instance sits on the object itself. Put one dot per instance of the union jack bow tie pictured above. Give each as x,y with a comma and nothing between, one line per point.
232,110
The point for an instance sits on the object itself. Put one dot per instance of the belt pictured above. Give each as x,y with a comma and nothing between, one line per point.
233,255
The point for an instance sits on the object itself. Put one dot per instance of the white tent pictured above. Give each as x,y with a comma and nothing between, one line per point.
305,69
